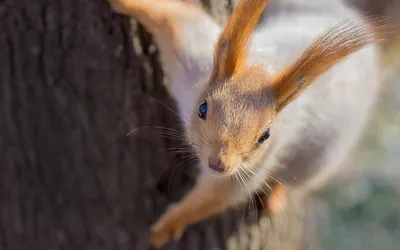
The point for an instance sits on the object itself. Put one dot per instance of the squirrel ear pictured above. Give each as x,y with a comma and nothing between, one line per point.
326,51
231,49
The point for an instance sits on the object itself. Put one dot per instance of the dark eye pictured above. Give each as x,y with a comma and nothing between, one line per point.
264,136
203,111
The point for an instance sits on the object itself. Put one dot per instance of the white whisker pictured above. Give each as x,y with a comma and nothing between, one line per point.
168,108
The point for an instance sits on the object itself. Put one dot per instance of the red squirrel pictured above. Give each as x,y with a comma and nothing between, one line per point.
262,101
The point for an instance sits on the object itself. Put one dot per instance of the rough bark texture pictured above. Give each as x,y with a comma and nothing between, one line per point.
71,88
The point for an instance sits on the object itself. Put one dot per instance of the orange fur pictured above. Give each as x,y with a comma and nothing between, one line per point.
209,197
326,51
164,19
275,201
231,50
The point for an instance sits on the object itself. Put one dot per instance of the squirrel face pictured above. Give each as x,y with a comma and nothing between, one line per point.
235,115
234,122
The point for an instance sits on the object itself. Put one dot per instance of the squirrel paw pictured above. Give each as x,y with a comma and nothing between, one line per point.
169,227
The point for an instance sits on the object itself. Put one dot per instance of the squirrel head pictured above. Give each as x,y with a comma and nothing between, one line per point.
234,116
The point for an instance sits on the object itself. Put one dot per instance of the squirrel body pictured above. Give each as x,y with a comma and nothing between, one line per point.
280,78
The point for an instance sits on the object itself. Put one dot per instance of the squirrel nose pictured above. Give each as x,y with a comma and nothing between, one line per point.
216,164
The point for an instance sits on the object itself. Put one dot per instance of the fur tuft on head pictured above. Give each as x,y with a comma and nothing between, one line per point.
231,49
340,41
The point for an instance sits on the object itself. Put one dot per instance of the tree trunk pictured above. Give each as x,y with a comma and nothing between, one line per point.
72,86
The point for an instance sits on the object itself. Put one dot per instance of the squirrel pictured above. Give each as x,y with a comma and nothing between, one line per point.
276,102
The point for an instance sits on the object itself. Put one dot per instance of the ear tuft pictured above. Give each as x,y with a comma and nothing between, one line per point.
231,49
342,40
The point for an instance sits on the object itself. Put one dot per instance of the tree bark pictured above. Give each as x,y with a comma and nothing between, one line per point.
72,86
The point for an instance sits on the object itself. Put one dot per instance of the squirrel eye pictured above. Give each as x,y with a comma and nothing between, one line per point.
203,111
264,136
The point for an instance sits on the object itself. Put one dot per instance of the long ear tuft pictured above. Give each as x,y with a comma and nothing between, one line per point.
326,51
231,49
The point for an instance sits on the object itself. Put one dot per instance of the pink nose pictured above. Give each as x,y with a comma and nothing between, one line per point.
216,164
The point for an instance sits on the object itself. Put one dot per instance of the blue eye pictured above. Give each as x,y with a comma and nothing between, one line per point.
203,111
264,136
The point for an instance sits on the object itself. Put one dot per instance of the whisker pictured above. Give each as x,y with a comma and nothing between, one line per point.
280,183
268,186
173,134
154,127
248,169
287,174
252,202
188,143
173,149
205,133
261,201
189,159
240,179
155,99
